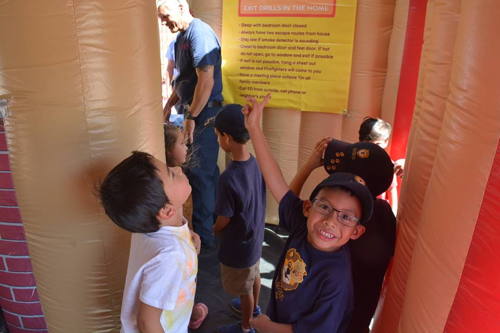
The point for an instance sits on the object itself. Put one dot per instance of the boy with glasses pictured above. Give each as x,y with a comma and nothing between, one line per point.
372,253
312,287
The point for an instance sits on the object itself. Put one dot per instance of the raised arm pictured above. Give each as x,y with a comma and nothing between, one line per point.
314,161
268,166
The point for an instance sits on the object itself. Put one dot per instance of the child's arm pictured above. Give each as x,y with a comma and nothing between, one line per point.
314,161
268,166
172,100
263,324
148,319
196,241
399,166
394,198
221,223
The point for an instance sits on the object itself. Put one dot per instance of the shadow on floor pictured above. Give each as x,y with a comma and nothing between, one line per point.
209,288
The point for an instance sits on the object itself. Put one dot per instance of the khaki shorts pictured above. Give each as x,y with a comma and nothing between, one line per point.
239,281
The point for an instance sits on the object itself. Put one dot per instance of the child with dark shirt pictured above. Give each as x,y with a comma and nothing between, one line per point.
312,286
370,254
240,206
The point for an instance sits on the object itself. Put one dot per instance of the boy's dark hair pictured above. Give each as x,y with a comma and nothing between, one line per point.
374,129
230,121
241,138
170,132
132,194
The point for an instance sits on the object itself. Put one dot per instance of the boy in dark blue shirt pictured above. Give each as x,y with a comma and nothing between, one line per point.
312,287
372,253
240,207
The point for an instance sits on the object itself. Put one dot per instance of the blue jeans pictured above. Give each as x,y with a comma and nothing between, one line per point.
203,175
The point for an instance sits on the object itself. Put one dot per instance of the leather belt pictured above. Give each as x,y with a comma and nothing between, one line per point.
210,104
214,104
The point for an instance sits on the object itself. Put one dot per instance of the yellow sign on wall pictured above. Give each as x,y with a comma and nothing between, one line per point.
298,50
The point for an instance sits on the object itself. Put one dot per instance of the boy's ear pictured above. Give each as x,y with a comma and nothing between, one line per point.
166,212
358,231
226,138
306,207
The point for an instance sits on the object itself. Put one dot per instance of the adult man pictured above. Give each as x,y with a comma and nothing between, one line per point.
198,87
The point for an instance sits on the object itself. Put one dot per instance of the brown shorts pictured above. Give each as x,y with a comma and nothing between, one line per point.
239,281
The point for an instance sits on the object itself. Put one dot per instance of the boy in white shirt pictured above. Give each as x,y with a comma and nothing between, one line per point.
144,196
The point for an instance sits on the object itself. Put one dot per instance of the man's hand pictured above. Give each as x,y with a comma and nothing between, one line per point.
189,125
253,111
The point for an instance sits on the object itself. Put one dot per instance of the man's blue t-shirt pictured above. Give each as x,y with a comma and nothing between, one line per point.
312,289
196,47
241,196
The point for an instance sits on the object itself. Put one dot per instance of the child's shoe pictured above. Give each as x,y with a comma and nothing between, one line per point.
236,307
234,328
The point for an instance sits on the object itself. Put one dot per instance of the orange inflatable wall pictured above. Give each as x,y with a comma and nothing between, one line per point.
84,90
443,279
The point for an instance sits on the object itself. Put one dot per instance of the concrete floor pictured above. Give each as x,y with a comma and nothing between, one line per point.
209,288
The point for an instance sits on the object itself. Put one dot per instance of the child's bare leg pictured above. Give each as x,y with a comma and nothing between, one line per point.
256,291
247,304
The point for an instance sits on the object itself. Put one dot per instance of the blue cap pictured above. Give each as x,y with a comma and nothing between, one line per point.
230,120
365,159
353,183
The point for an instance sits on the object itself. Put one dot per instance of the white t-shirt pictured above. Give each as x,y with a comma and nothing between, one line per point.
161,273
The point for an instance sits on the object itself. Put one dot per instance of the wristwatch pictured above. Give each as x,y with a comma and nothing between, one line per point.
189,115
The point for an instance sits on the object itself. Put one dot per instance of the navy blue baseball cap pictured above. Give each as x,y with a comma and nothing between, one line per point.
365,159
353,183
230,120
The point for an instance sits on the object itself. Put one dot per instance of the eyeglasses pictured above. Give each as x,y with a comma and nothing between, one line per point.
325,209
